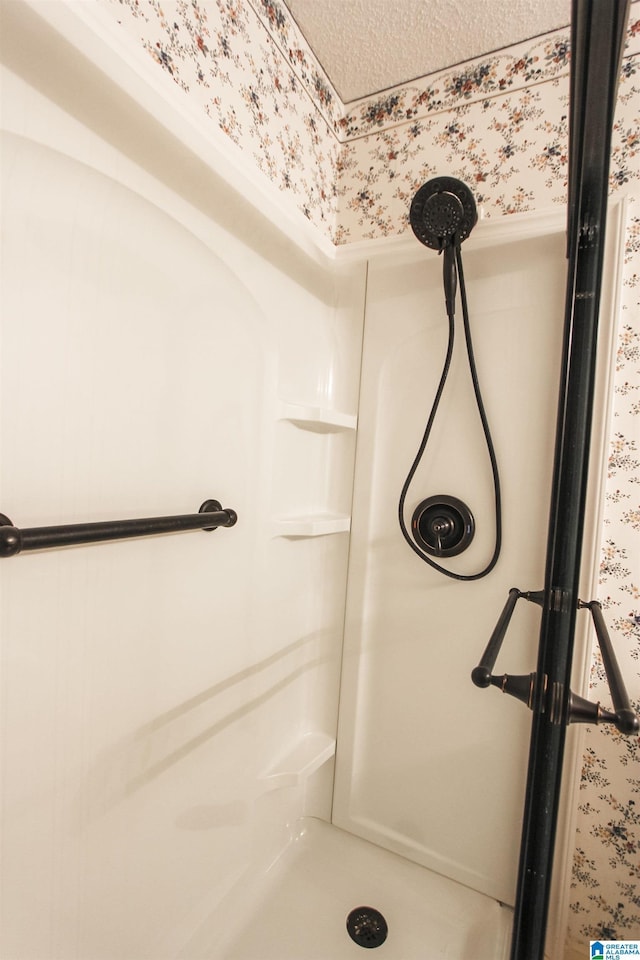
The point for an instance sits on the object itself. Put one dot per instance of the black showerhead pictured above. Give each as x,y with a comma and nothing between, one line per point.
443,213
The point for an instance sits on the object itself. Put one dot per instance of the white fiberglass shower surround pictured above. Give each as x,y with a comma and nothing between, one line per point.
171,706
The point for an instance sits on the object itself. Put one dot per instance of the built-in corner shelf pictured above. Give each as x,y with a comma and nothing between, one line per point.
303,759
312,525
319,419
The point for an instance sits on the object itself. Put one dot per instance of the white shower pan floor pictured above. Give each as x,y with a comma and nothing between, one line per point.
298,911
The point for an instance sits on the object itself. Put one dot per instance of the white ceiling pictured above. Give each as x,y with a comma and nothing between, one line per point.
366,46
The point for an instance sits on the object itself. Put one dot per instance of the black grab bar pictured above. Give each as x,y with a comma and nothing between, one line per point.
13,541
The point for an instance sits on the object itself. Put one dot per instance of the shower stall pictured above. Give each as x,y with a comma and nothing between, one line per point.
260,741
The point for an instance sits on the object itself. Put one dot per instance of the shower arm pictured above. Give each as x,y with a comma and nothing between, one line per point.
13,541
523,687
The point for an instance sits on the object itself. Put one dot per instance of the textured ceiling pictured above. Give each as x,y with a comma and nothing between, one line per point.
369,45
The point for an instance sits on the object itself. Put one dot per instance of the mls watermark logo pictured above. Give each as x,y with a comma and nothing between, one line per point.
614,949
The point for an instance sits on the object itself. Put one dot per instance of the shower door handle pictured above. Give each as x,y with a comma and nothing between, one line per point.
625,719
482,674
527,688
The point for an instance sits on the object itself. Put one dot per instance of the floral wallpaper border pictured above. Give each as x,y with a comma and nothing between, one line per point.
510,70
352,170
223,56
510,148
301,59
501,124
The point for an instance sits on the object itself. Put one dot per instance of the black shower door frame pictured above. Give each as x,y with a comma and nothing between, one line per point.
598,30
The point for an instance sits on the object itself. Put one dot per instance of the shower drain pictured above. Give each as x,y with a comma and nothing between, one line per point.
367,927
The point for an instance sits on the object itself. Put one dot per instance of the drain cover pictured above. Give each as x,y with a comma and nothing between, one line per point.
367,927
